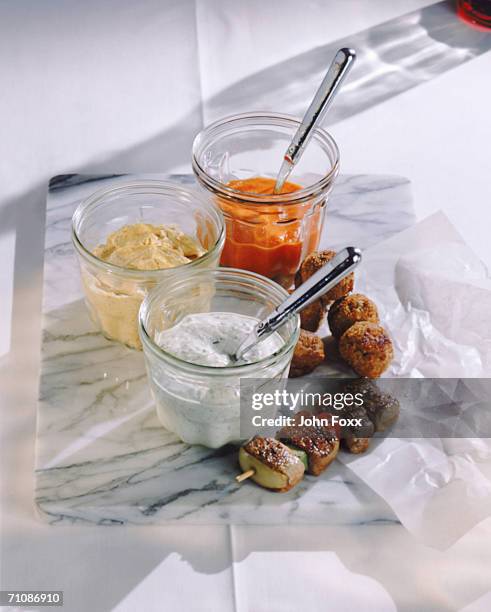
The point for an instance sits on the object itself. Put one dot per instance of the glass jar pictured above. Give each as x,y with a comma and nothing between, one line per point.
268,234
113,293
201,404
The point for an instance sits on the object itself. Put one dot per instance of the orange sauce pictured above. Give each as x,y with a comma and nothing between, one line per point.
261,185
269,239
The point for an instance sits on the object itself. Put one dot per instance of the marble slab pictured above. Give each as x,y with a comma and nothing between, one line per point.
102,456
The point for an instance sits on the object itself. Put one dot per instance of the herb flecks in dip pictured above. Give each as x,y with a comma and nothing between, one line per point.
203,408
211,338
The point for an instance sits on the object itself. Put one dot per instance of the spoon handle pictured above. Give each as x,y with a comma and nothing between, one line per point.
338,70
319,283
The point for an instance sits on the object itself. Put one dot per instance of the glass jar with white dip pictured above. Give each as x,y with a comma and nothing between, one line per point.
201,403
113,293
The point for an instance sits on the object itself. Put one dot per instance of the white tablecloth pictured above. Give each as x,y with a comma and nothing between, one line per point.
118,86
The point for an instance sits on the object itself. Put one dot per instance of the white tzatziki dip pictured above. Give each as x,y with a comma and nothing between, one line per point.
211,338
204,407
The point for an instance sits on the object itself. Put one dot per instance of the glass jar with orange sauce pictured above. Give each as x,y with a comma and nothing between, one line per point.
237,159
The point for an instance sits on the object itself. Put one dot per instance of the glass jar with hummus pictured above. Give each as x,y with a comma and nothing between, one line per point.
237,159
190,328
132,236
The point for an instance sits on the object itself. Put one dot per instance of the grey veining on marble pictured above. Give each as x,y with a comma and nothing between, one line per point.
101,454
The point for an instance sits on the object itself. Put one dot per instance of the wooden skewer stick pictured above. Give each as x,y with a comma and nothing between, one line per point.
245,475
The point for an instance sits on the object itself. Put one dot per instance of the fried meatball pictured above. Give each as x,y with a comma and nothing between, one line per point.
349,310
311,317
356,445
285,280
308,354
311,264
367,348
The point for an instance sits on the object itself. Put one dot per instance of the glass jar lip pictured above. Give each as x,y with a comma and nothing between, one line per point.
269,118
160,353
133,186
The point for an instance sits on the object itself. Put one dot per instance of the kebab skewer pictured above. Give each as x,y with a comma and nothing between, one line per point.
270,464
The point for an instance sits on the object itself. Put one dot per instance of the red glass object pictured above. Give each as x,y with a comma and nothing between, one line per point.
475,12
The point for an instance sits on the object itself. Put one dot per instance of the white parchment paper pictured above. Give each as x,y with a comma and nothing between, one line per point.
434,296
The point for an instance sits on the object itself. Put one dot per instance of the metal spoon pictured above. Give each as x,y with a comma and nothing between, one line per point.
319,283
337,72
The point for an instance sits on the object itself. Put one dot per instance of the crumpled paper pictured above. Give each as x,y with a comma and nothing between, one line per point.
434,297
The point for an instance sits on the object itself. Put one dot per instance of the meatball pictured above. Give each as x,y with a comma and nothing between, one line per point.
367,348
311,317
349,310
356,445
311,264
308,354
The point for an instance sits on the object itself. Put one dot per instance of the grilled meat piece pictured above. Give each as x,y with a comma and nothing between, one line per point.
275,466
356,438
364,430
382,408
320,443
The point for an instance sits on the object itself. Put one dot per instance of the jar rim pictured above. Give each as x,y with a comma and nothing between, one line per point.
229,273
126,187
266,118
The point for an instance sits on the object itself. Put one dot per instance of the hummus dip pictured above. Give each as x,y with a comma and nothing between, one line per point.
114,299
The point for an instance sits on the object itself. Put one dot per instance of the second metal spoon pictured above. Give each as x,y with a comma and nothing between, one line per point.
319,283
